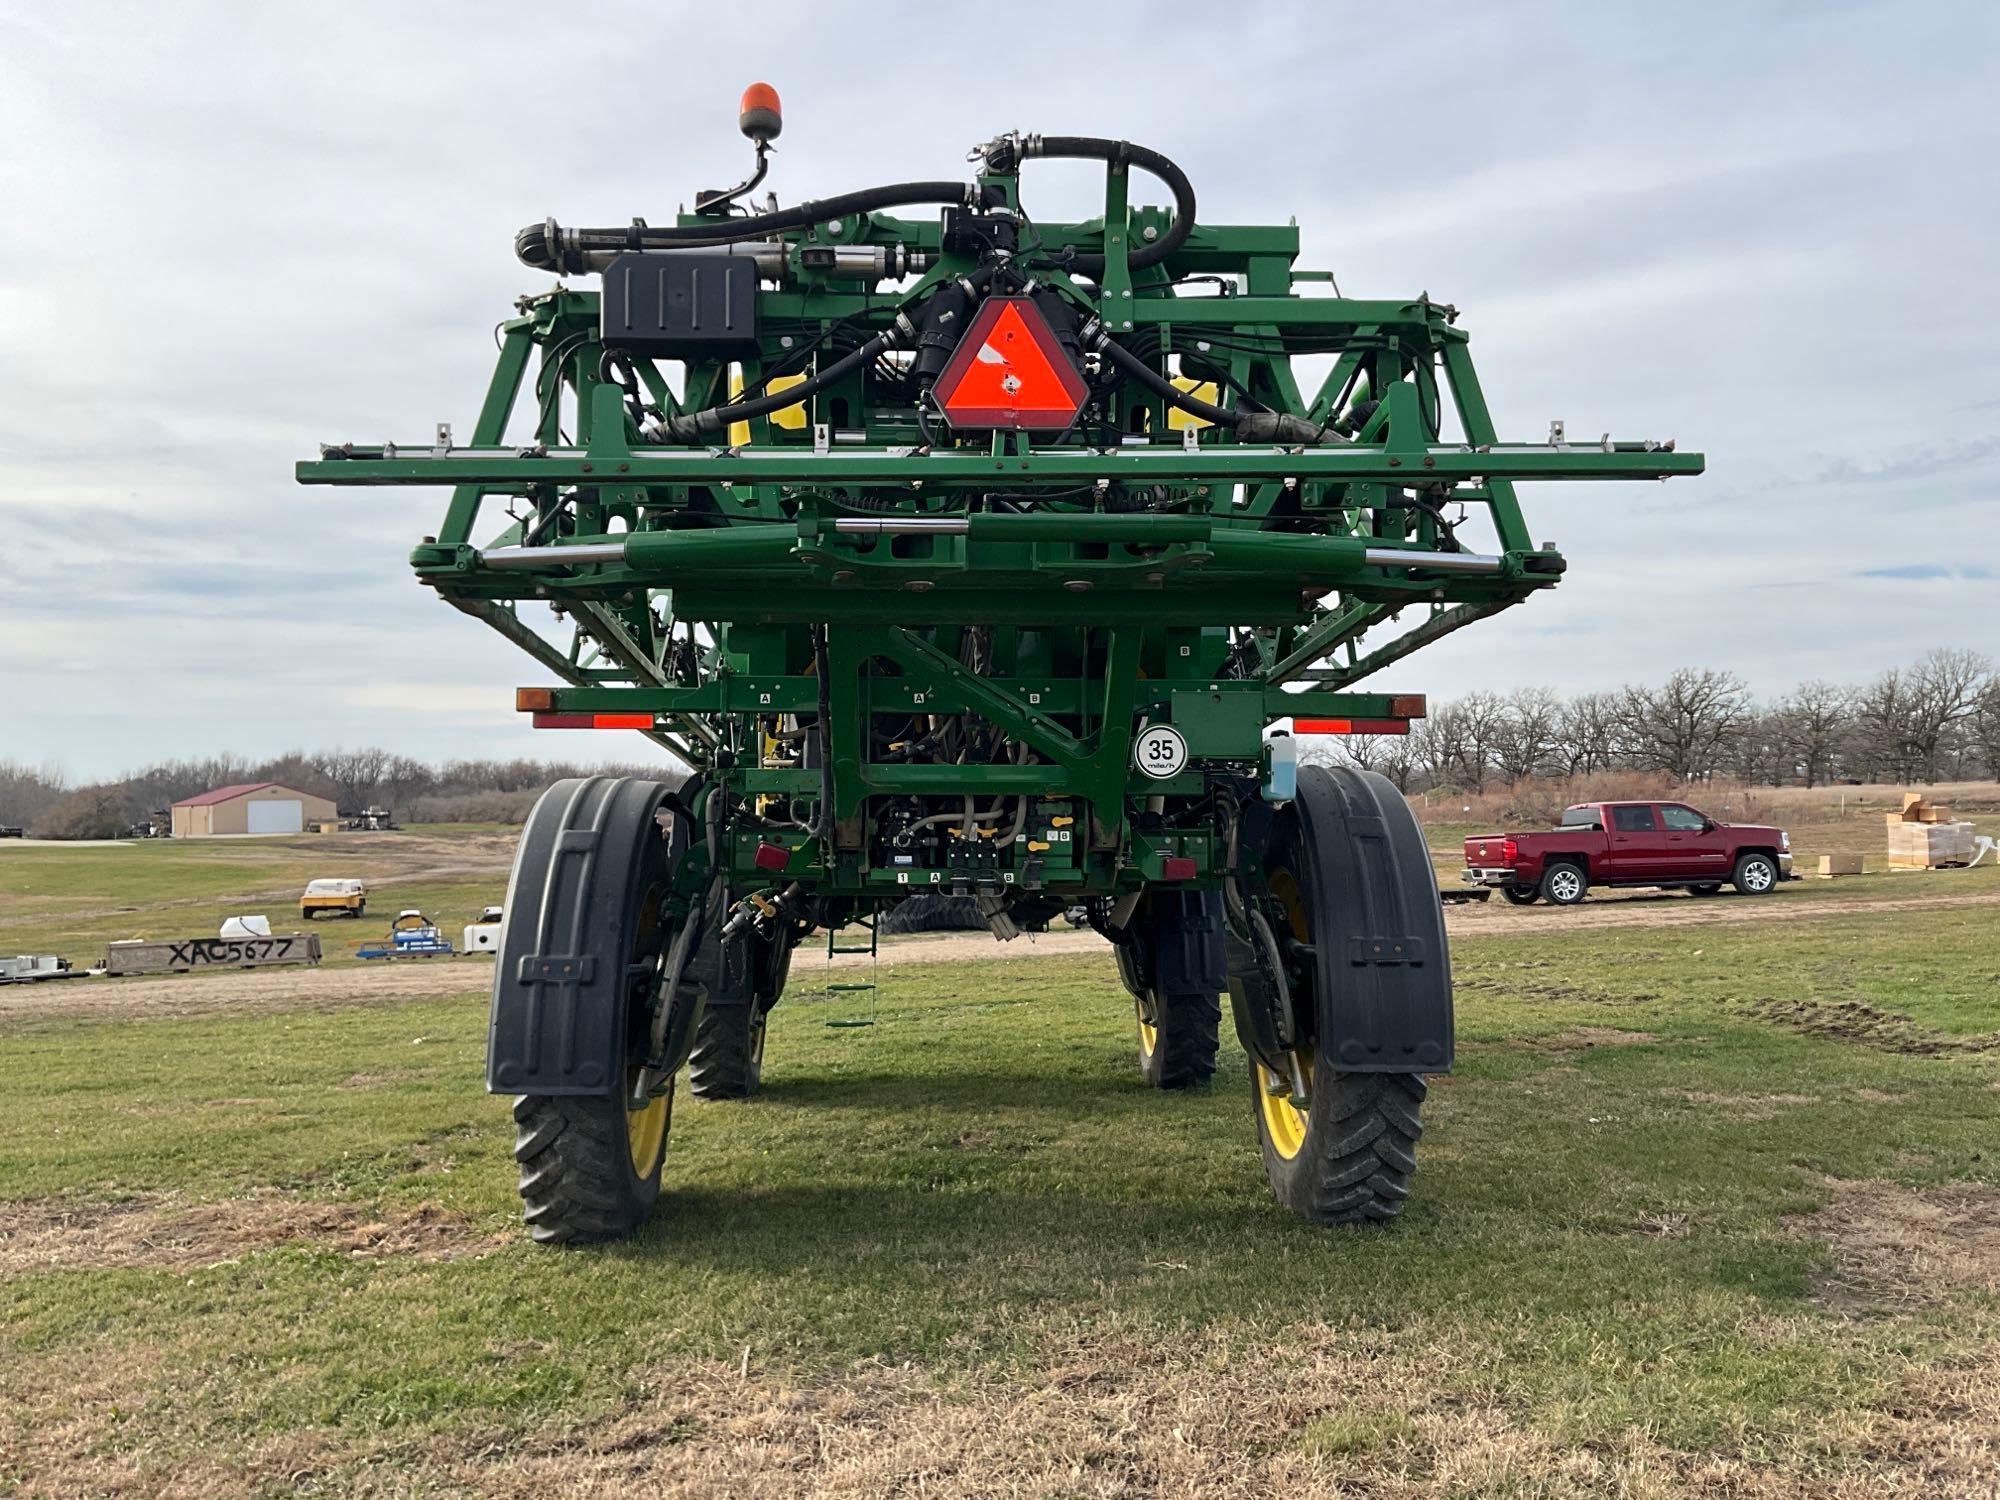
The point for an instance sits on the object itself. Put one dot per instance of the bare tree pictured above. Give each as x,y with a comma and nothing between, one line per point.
26,794
1485,723
1986,726
1944,690
355,774
1587,733
1444,746
1681,726
1400,761
1758,751
1880,745
1528,733
1814,720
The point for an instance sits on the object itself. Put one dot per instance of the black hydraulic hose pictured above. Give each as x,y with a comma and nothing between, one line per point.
697,425
1115,153
823,818
1252,426
694,427
549,247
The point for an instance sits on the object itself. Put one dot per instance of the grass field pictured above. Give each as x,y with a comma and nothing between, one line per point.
1711,1207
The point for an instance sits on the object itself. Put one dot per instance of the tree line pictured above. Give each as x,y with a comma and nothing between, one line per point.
1937,719
43,801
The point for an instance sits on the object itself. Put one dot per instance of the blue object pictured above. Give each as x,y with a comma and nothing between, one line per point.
1281,781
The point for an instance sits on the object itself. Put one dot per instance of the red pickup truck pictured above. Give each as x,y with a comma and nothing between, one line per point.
1628,844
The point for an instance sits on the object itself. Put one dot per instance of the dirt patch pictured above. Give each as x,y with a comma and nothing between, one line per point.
1854,1021
1906,1246
1580,1038
1103,1418
380,1079
1750,1106
161,1233
246,991
252,991
956,947
1651,909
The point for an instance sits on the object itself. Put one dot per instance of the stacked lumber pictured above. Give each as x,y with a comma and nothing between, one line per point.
1924,836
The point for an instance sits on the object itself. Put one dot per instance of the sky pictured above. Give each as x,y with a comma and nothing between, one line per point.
233,232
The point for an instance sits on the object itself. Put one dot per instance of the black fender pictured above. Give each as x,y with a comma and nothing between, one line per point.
1187,942
1174,944
558,1023
1382,969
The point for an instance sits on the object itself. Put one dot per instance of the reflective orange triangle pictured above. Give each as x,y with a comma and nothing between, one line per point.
1009,371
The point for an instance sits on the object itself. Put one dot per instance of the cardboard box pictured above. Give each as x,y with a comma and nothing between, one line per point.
1839,864
1912,799
1930,846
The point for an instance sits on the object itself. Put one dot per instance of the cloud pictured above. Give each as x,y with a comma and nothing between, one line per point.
1926,572
1750,231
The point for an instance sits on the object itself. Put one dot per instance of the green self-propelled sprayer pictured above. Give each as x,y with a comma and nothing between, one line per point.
966,552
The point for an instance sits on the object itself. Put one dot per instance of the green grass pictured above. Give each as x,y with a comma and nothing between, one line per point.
982,1172
1603,1235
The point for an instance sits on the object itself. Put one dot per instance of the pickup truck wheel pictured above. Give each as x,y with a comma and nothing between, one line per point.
1756,875
1564,885
1520,895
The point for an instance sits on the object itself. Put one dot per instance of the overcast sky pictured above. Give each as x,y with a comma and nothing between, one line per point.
228,233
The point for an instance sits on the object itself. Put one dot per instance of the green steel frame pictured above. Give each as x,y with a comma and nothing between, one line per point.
1057,593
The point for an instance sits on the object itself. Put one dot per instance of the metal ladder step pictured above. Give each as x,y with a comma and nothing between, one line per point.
851,950
842,989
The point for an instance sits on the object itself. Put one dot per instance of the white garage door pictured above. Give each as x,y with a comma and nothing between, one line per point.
277,817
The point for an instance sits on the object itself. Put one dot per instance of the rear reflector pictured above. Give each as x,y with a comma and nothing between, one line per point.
1408,706
534,700
1177,867
1350,726
773,856
593,721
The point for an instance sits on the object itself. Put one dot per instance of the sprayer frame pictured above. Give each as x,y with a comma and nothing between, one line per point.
703,581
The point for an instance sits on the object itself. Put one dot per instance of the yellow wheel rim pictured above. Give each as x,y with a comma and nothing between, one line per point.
646,1134
1285,1123
1149,1038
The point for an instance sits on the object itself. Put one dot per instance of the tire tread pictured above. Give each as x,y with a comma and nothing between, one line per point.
1188,1029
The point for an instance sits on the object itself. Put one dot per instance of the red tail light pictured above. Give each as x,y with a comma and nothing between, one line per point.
1509,852
593,721
1350,726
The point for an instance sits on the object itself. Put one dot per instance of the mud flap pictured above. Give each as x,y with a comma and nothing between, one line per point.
557,1020
1382,969
1175,945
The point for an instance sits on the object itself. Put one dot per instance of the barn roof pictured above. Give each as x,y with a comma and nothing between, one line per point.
226,794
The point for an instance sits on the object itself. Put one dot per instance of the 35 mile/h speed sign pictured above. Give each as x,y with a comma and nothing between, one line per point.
1160,751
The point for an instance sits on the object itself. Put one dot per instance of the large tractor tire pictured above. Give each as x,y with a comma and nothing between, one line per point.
1177,1042
590,1161
1359,943
728,1057
1172,969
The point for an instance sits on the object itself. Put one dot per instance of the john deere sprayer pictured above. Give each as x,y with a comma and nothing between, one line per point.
949,549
